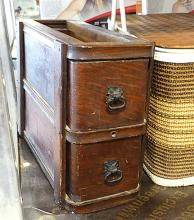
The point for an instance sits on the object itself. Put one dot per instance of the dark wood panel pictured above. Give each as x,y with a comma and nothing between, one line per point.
102,135
40,132
88,86
60,95
102,204
109,45
86,163
19,79
66,80
38,67
109,51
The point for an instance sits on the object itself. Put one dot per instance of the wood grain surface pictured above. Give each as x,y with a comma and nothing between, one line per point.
65,80
166,30
87,95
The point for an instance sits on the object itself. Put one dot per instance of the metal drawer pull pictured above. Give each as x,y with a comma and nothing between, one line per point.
112,173
115,99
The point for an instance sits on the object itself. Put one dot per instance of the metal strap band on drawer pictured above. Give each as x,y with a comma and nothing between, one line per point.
125,193
105,134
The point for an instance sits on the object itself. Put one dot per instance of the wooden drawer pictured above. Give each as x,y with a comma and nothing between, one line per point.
82,93
90,85
103,169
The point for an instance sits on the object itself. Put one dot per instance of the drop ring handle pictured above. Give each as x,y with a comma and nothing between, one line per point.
112,173
115,99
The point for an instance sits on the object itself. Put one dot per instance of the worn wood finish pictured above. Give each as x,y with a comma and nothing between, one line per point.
95,114
90,183
36,122
103,204
74,77
125,47
19,79
102,135
166,30
60,91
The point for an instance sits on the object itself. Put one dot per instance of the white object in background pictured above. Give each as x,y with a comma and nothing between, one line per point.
10,200
174,55
123,16
112,23
49,9
144,7
10,19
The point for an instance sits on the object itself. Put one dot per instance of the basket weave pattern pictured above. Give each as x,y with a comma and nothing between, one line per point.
169,150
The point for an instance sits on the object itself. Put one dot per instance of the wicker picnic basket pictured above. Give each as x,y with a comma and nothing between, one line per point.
169,153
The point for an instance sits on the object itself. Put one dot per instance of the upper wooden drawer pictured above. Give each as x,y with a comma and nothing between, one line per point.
106,94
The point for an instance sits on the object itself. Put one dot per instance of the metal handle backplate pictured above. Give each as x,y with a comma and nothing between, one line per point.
112,173
115,99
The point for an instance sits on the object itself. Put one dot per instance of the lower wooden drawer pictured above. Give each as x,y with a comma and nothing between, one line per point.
103,169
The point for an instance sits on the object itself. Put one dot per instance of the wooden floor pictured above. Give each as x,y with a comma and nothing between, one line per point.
155,202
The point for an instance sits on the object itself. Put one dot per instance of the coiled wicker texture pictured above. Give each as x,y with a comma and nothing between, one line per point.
169,152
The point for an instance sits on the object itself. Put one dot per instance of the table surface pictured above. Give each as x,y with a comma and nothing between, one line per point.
166,30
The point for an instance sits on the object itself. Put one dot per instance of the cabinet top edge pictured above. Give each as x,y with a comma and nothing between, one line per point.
99,36
102,41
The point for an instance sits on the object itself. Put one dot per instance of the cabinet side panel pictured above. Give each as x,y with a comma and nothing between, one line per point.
38,66
45,91
39,132
38,86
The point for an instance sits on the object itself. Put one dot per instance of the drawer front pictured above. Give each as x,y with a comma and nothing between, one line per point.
103,169
106,94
